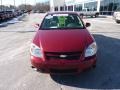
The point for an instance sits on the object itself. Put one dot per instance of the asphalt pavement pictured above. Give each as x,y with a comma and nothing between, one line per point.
15,68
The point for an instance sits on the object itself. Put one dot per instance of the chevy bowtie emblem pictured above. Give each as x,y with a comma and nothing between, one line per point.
63,56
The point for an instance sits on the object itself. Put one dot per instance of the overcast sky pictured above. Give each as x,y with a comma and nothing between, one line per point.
18,2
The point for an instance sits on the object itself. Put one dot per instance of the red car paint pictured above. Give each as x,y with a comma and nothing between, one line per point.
63,42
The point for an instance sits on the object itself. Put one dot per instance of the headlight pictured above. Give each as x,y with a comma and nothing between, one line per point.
91,50
35,50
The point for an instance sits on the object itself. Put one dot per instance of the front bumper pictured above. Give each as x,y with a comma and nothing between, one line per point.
118,18
67,66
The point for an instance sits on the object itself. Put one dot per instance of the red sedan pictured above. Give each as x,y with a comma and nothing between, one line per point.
63,44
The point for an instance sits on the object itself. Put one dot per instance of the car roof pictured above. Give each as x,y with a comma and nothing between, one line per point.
61,12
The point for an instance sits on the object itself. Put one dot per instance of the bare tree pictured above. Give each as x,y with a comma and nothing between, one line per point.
41,7
25,7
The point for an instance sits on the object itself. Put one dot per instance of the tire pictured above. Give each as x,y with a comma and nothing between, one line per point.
118,21
91,16
94,66
81,15
32,67
96,15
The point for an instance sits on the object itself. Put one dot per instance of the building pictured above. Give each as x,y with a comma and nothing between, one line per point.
57,5
105,7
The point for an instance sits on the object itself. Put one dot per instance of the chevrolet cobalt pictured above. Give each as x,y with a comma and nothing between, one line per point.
63,44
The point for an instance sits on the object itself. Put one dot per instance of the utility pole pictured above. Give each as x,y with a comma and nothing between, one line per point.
35,6
35,2
1,5
14,2
14,5
25,4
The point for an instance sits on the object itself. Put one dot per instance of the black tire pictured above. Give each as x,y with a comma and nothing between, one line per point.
81,15
118,21
92,16
96,15
32,67
94,66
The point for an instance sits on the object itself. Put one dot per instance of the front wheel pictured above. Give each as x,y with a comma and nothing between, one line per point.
118,21
81,15
96,15
94,66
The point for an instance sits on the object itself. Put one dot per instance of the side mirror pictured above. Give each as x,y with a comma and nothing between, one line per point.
37,25
87,24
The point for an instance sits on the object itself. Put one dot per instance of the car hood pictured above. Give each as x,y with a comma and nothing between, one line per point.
62,40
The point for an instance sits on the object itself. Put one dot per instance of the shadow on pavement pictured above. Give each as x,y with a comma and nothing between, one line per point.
107,73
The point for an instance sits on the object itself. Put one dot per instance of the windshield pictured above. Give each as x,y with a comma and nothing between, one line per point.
62,21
